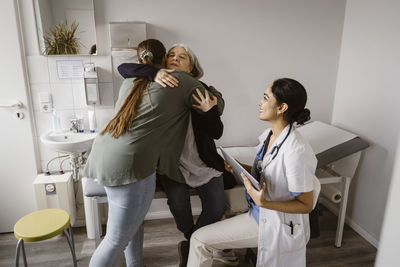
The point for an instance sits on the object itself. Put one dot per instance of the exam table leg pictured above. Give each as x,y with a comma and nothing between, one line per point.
342,212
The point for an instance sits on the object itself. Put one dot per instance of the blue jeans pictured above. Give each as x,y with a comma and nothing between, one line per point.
127,207
212,201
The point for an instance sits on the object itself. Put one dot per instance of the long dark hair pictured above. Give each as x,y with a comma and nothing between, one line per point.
294,94
150,52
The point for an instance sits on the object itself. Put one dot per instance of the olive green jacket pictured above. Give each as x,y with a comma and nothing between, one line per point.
155,140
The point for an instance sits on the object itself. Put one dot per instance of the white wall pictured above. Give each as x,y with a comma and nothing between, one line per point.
243,46
388,252
242,49
366,98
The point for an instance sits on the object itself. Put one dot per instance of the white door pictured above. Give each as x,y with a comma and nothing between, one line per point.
18,167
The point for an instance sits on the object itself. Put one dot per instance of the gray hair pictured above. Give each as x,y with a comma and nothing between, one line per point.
197,71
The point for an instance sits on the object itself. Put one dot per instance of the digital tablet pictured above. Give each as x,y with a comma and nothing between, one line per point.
238,169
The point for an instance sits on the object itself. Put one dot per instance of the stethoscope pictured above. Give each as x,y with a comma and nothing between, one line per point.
274,151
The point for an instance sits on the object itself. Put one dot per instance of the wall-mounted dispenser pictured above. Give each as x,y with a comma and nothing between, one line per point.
91,84
124,39
126,35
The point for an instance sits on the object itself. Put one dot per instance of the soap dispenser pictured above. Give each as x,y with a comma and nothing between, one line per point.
56,122
91,84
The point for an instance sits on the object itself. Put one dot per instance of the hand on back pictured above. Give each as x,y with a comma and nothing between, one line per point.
164,78
206,102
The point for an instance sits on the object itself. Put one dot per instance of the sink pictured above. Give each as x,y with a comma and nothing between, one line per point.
68,142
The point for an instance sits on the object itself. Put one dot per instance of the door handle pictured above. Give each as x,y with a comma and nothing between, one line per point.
15,104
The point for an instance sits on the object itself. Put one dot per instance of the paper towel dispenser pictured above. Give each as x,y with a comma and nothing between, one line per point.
126,35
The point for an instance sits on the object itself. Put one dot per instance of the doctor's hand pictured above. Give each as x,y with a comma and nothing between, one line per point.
228,167
257,196
164,78
206,102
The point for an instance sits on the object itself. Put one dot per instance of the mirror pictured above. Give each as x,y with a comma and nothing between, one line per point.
65,27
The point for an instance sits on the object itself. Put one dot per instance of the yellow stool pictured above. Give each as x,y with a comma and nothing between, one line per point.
42,225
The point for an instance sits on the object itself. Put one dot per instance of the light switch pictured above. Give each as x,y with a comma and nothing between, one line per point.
45,102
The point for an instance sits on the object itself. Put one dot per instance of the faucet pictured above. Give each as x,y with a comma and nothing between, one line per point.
74,122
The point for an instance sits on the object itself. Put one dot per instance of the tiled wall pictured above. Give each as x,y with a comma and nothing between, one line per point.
68,97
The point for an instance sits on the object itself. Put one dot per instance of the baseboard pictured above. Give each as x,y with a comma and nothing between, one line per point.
356,227
79,223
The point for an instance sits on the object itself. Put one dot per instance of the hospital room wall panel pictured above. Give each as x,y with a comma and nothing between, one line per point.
366,102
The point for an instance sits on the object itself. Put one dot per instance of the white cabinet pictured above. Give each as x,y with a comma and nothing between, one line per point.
56,191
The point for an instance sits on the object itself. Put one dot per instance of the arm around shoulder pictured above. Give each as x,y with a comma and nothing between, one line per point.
133,70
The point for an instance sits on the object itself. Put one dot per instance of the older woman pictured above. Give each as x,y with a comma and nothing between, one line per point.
200,164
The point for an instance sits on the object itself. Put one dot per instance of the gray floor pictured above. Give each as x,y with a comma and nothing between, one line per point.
162,237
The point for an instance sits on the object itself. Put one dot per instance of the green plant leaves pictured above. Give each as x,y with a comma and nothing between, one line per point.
61,40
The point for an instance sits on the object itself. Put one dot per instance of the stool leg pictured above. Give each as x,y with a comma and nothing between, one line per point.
20,244
71,245
23,253
72,236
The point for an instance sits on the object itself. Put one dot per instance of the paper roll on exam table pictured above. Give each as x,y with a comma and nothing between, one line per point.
331,193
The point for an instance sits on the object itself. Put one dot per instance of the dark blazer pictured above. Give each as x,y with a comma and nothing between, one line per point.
208,127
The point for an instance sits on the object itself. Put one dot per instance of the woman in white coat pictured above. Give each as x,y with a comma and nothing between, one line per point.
277,221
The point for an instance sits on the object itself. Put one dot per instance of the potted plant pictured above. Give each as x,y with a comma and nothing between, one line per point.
61,40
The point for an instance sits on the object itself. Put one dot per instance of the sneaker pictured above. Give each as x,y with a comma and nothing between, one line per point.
226,256
183,250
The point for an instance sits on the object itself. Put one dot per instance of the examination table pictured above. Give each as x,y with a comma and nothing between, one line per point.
338,153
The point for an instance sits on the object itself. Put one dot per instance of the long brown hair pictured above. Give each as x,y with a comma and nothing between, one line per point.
150,52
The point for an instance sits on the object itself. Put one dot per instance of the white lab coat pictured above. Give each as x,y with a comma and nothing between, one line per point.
292,170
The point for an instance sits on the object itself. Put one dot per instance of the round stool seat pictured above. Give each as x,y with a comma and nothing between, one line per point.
41,225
